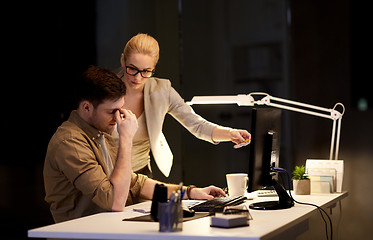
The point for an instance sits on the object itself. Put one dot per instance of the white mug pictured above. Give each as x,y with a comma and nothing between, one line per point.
237,184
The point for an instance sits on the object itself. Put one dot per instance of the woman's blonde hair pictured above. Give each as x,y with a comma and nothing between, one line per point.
144,44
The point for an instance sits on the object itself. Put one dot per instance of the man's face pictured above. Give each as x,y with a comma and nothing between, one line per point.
103,116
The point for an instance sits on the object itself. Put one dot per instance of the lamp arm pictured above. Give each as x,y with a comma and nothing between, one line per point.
248,100
299,110
270,101
300,104
333,114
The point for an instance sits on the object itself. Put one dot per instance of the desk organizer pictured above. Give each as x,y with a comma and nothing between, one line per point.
170,215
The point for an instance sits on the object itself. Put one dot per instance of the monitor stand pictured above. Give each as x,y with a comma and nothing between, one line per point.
284,200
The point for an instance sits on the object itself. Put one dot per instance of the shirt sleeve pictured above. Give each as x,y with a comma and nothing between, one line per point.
182,112
137,182
78,163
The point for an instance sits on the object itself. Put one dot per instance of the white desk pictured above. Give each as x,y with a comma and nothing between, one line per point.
265,224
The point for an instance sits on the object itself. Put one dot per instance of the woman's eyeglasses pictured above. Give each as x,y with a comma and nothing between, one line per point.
134,71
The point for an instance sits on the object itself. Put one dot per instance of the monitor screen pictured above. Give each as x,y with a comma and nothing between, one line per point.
265,147
264,154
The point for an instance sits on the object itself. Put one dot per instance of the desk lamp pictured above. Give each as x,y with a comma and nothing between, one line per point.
248,100
268,100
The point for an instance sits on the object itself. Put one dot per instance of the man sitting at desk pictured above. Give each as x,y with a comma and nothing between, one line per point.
84,171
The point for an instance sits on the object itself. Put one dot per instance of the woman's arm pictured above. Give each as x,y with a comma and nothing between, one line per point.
200,127
222,134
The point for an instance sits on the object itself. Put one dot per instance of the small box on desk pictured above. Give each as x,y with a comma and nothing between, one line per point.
229,220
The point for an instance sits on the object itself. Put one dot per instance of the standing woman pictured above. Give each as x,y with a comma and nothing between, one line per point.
150,99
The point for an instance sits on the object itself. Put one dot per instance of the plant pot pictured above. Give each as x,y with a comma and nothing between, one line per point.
302,187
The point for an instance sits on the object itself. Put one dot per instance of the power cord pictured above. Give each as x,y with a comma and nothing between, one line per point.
281,170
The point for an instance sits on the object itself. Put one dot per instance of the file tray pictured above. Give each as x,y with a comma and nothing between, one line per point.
327,167
322,180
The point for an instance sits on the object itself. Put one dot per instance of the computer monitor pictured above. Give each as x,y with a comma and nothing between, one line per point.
265,145
264,155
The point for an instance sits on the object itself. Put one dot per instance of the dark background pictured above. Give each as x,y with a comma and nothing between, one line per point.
309,51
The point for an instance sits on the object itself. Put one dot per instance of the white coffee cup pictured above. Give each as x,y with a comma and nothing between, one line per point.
237,184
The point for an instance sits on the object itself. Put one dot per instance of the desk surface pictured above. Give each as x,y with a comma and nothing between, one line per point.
265,224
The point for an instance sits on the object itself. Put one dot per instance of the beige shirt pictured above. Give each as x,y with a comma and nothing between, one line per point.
75,174
141,145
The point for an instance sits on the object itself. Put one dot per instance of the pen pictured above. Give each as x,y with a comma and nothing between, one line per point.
178,193
179,187
182,194
244,143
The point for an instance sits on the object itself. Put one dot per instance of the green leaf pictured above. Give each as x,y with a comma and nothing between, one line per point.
299,173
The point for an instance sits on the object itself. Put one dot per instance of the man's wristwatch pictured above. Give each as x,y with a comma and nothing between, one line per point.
190,189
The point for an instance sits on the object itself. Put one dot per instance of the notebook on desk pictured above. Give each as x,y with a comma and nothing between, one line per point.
147,218
217,204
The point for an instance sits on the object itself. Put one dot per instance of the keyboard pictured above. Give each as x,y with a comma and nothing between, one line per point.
217,204
266,193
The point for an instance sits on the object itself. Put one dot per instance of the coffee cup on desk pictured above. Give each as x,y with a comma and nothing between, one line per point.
237,184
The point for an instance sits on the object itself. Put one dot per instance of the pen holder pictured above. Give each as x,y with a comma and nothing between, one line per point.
170,215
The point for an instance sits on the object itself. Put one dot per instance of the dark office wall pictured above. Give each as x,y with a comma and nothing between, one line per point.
328,66
45,46
324,43
321,70
230,47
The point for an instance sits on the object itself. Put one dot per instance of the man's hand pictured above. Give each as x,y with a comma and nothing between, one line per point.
126,123
121,176
207,193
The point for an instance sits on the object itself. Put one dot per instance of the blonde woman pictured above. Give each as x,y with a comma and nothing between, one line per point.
150,99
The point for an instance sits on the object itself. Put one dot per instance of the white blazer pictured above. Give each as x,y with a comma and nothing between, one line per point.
161,98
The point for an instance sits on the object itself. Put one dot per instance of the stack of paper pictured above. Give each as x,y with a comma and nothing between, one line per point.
326,175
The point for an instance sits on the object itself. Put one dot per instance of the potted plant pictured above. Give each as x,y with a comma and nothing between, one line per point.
301,182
